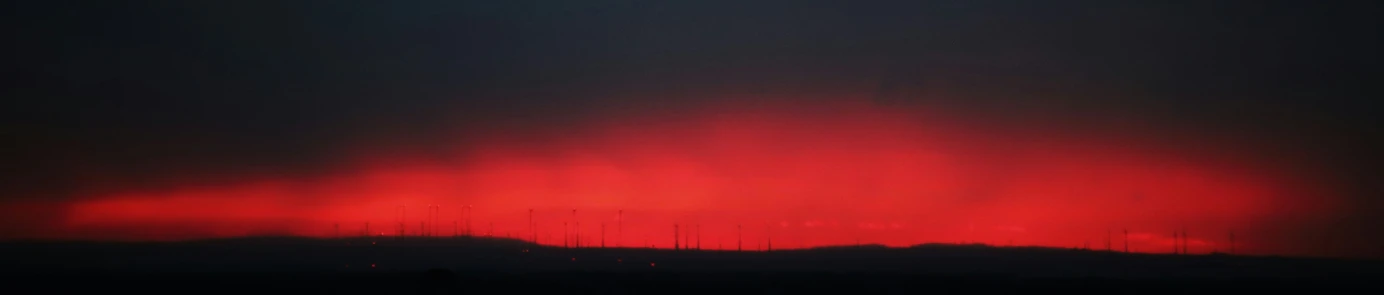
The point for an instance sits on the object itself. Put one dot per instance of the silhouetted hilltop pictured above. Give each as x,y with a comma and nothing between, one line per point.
362,254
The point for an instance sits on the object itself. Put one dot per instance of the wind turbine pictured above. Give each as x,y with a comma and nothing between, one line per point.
620,231
468,220
1232,242
576,231
401,218
768,237
739,237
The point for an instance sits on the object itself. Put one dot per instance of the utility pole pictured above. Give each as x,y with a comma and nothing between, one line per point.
603,235
367,229
675,236
532,231
1107,240
1126,240
565,234
739,238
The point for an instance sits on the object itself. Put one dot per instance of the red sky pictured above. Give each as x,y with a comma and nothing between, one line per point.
824,174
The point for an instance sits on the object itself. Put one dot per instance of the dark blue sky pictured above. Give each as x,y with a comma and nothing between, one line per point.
148,89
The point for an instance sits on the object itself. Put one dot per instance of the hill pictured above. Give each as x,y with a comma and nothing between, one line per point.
307,262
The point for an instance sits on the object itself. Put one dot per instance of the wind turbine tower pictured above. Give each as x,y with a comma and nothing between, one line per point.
739,237
1184,240
768,237
1232,242
576,231
620,230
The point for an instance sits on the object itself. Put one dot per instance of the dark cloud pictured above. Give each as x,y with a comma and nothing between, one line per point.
115,95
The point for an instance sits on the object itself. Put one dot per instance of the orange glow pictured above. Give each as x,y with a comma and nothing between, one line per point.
802,176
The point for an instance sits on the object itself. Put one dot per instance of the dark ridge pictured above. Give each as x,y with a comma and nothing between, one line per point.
412,265
485,253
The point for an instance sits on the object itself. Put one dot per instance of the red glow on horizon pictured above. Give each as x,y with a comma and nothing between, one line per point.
800,177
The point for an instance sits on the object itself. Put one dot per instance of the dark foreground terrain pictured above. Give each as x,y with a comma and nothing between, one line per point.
483,266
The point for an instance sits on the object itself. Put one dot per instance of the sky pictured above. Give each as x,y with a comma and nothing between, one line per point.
1055,123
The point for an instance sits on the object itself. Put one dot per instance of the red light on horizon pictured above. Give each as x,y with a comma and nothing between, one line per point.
901,180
